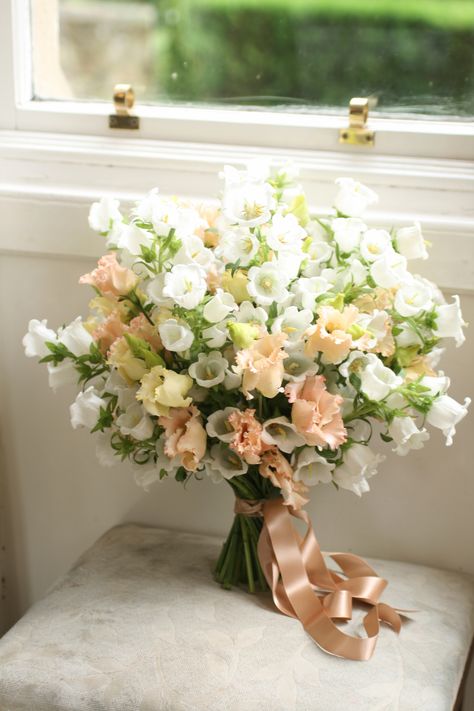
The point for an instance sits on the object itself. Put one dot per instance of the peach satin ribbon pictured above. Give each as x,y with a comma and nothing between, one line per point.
303,586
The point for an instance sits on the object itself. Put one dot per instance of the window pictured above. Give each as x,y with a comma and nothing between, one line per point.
258,73
293,55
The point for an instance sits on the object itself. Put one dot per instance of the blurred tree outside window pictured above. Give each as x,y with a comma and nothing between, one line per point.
413,57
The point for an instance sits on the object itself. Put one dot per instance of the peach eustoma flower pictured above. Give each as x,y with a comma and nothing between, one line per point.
276,467
184,436
110,278
107,332
330,334
247,441
141,327
316,413
261,365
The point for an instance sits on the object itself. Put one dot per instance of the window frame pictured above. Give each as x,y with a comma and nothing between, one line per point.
20,111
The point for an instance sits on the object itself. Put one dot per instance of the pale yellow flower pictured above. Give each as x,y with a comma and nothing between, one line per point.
161,389
121,357
236,284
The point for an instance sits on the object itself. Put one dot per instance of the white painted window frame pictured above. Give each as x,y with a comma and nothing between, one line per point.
273,129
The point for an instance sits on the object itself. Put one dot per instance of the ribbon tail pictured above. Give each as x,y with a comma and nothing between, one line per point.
296,573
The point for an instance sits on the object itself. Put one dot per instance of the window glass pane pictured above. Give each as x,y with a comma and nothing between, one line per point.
412,56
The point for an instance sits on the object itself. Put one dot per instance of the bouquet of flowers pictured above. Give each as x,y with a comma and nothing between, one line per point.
252,342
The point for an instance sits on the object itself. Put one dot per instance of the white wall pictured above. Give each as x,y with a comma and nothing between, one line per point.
59,500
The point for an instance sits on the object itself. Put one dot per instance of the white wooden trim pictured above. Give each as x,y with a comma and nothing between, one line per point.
272,129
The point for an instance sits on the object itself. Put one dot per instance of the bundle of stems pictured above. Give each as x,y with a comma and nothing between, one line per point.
238,562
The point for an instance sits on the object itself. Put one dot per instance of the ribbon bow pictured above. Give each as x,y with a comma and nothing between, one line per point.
303,587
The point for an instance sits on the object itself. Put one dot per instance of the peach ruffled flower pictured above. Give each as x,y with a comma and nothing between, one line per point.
107,332
184,436
329,336
247,441
261,365
275,466
141,327
110,278
377,300
316,413
209,232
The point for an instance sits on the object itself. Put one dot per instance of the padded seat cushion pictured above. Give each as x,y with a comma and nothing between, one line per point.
139,624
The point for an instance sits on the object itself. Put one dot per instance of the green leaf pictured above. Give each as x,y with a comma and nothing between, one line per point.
181,475
355,381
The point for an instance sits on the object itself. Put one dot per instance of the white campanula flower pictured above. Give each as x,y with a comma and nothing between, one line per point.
437,384
298,366
355,362
175,336
103,450
281,433
163,461
390,270
306,291
223,463
353,198
413,298
144,208
163,213
218,424
248,313
374,244
85,410
209,369
232,380
347,232
310,468
249,204
377,381
35,340
293,322
76,337
289,263
406,435
407,337
154,289
62,374
445,413
103,214
145,475
135,422
267,284
409,242
319,250
193,251
216,335
238,245
219,306
360,463
132,238
356,273
255,171
285,233
186,285
449,322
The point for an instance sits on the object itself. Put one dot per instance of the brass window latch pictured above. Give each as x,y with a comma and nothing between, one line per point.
124,99
357,133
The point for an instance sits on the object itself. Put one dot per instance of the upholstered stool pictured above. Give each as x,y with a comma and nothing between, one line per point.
139,625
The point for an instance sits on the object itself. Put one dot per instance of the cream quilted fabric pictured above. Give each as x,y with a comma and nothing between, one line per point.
139,625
